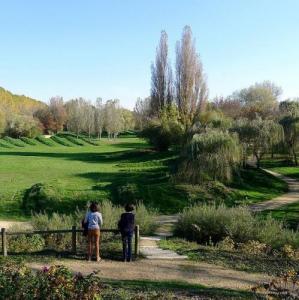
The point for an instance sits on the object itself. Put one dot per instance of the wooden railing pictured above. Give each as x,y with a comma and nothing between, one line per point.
73,231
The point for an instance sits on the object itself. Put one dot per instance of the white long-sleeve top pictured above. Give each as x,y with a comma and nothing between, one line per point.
94,220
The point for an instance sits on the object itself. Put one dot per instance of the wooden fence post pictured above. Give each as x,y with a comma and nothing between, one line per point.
74,239
136,241
4,241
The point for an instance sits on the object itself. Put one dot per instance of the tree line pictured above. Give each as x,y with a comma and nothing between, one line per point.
78,115
215,137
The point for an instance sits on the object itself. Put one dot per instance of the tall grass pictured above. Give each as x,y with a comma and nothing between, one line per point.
206,223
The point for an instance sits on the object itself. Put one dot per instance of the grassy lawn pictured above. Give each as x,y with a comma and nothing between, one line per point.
281,166
119,171
287,213
234,259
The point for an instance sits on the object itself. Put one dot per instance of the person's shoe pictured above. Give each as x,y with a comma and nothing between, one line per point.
99,259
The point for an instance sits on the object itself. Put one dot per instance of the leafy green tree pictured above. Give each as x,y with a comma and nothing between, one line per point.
166,131
22,126
260,99
259,136
212,155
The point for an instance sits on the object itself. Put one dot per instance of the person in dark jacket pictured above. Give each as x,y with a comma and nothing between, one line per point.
126,226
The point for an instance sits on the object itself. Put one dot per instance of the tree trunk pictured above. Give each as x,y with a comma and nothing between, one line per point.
295,156
244,156
272,152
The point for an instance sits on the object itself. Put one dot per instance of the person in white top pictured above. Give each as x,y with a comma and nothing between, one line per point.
94,222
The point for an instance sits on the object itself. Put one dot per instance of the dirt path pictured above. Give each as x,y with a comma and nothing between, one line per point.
162,270
288,198
8,224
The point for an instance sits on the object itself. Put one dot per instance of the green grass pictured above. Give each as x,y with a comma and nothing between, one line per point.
120,171
179,288
234,259
289,214
281,166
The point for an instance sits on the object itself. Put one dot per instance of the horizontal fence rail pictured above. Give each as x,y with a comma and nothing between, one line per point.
73,231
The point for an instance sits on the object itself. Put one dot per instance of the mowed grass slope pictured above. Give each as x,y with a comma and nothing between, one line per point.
121,170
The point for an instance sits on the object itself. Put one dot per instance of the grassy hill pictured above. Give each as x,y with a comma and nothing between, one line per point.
77,171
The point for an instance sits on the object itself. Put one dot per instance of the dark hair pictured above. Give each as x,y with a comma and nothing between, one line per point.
93,207
129,207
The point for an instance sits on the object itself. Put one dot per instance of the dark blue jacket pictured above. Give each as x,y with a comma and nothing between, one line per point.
126,223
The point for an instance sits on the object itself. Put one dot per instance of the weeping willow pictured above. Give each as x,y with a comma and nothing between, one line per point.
210,156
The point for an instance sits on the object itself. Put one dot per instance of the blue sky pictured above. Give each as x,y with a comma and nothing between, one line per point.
98,48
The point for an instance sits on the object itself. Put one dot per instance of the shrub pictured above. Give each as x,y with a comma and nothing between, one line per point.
26,243
90,141
212,155
14,142
43,140
55,282
60,141
129,192
28,141
145,218
4,145
74,140
162,135
204,223
253,247
41,197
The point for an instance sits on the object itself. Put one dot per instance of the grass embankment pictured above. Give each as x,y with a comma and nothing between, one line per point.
234,259
119,171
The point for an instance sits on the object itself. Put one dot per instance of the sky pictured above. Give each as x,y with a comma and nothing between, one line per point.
96,48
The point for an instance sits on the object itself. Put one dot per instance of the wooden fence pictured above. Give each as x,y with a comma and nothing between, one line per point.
73,231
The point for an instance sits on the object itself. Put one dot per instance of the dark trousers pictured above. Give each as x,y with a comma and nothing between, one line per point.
127,245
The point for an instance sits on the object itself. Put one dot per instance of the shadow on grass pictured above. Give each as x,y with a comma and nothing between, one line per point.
133,156
153,187
180,286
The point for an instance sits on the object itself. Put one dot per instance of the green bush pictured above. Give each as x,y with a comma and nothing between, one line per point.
15,142
57,282
210,223
41,197
28,141
60,141
43,140
162,135
211,155
74,140
165,131
25,243
4,145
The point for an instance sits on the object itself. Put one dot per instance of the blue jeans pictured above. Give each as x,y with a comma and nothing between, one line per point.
127,245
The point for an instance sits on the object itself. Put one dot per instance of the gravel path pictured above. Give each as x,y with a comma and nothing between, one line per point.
162,270
288,198
8,224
